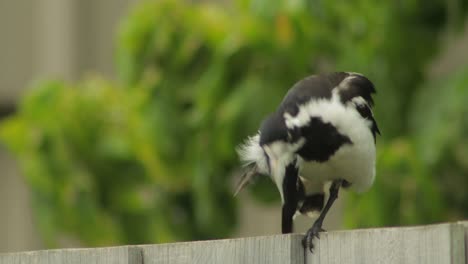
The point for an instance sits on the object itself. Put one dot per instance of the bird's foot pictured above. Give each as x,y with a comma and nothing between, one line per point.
314,231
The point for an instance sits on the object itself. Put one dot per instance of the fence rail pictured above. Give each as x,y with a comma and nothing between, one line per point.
441,243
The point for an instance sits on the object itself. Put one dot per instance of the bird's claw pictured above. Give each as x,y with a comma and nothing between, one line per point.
307,241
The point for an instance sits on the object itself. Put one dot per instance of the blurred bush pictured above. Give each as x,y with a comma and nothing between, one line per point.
149,159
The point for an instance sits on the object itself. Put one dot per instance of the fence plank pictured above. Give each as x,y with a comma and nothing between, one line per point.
117,255
465,225
269,249
443,243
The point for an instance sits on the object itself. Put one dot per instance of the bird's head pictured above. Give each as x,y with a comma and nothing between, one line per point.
276,143
270,151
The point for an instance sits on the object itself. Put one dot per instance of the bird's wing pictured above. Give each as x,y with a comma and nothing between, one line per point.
351,89
366,112
355,85
315,86
357,90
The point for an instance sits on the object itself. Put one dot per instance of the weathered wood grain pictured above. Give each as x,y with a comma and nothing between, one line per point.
442,243
117,255
282,249
465,225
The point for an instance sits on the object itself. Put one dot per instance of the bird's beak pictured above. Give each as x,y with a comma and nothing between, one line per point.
277,173
246,178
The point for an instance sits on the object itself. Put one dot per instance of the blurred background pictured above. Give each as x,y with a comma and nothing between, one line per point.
119,119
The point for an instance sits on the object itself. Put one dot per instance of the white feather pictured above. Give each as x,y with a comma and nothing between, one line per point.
281,155
344,84
251,152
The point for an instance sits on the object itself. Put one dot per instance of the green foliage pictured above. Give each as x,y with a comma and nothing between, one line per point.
439,122
422,177
150,159
95,168
404,193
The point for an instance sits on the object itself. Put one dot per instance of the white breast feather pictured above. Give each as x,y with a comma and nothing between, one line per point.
352,162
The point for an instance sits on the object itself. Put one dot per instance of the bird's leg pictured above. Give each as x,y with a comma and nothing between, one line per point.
287,218
317,226
291,198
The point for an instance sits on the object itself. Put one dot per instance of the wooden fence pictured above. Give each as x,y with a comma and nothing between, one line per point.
438,244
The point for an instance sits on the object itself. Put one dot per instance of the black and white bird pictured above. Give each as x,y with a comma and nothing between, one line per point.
322,132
